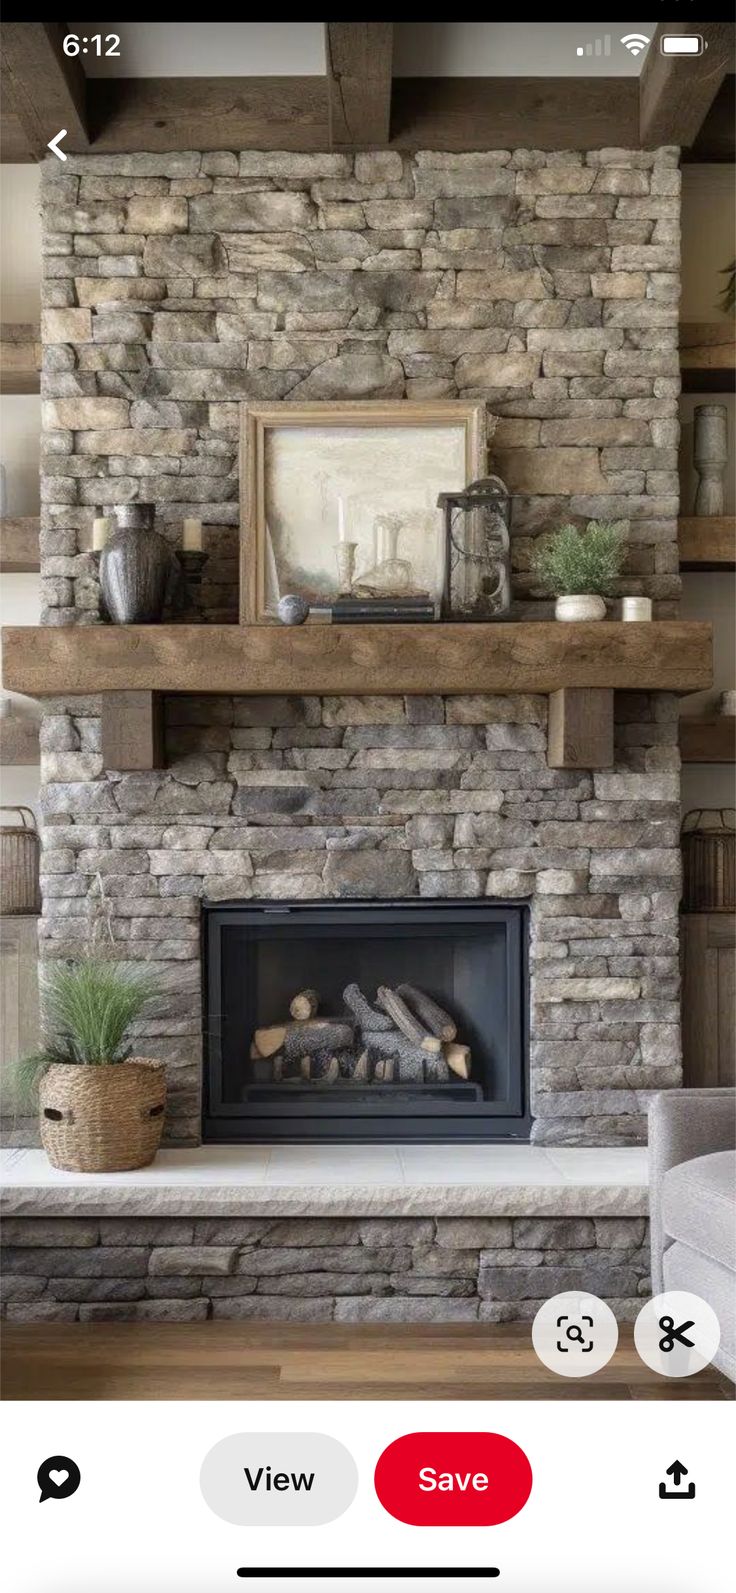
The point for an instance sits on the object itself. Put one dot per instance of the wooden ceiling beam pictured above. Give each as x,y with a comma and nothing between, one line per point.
179,113
677,92
168,114
359,58
47,87
514,113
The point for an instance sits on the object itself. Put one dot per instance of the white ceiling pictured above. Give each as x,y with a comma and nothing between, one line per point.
421,49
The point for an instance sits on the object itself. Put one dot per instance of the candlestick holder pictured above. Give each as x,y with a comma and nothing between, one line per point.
345,555
192,565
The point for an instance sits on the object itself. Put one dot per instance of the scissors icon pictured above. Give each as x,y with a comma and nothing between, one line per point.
673,1335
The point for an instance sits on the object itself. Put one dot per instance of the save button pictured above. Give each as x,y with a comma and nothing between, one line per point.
453,1479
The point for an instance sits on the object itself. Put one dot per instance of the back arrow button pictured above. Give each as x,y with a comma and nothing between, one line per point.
54,145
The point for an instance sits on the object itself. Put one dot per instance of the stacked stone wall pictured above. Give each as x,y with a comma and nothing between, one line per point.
488,1269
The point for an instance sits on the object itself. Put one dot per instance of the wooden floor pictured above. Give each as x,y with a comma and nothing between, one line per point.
232,1360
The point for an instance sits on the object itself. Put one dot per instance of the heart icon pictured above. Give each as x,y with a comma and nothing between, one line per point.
58,1477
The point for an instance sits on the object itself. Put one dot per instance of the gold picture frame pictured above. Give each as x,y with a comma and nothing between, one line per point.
292,511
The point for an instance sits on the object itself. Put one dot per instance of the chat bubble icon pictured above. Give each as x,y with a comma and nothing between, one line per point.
279,1479
58,1477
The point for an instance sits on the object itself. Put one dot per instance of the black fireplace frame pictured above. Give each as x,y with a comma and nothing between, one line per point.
302,1122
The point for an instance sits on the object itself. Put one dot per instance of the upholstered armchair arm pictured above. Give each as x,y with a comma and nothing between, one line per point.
683,1124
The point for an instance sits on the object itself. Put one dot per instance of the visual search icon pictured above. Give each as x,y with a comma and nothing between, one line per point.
574,1334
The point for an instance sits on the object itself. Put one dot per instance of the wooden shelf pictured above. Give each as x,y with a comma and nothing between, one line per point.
20,357
357,659
18,741
708,740
708,356
708,542
19,545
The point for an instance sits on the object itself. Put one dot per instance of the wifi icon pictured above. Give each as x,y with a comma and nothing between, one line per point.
635,42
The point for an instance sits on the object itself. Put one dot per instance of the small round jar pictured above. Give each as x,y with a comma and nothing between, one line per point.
636,608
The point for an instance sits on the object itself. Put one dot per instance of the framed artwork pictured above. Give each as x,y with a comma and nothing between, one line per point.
340,499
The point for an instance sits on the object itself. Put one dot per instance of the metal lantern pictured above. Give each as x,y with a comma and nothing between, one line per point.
477,582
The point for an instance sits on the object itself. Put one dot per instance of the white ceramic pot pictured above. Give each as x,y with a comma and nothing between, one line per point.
580,606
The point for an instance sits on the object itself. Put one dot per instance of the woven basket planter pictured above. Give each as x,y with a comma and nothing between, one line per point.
105,1119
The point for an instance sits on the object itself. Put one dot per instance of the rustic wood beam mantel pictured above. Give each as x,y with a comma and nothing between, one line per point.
580,666
359,57
677,92
47,88
672,655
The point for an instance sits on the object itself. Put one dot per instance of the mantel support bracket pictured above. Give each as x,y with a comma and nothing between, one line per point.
580,728
132,730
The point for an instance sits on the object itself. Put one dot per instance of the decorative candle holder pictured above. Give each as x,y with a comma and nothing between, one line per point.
345,555
192,565
710,455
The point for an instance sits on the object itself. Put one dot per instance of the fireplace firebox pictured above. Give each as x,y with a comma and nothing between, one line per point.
363,1021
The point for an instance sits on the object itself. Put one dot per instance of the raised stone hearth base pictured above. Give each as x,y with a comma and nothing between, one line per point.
344,1233
420,1269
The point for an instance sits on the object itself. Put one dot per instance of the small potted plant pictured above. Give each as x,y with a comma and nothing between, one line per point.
101,1109
581,568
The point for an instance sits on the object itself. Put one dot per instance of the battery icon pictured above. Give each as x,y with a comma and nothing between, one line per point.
682,44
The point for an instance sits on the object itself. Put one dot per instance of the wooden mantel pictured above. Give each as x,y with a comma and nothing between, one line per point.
580,666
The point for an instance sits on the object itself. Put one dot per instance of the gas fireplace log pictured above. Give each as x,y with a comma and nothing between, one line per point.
353,1064
436,1070
383,1071
266,1042
428,1012
316,1034
306,1003
404,1019
458,1059
393,1044
324,1067
360,1070
409,1060
362,1011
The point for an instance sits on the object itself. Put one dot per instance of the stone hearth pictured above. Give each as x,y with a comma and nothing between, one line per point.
417,1234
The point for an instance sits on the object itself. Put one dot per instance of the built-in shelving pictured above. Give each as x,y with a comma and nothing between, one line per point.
18,741
708,356
711,740
707,542
19,545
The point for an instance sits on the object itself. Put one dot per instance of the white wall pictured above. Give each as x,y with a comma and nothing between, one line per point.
20,243
20,422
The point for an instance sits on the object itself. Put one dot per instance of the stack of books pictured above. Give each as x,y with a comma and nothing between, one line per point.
383,610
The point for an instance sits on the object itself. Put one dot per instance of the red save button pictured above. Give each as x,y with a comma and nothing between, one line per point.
453,1479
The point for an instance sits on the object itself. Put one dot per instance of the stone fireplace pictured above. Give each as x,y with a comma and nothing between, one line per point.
177,286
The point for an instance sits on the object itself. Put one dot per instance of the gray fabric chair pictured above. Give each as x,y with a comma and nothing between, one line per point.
692,1202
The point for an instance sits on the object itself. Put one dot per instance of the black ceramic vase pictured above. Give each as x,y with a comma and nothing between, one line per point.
136,568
